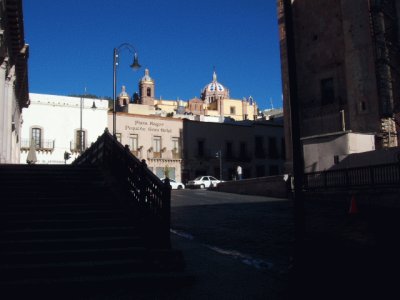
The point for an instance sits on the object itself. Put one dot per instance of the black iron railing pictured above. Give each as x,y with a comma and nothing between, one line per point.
44,145
361,177
146,192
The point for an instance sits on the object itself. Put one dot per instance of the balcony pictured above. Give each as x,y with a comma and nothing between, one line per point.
45,145
164,154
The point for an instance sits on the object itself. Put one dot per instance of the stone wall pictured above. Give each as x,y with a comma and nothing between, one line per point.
272,186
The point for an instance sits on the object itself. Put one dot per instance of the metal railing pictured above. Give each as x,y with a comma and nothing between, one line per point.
361,177
45,145
146,192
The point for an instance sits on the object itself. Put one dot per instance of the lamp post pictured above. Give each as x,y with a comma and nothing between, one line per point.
80,128
219,155
135,66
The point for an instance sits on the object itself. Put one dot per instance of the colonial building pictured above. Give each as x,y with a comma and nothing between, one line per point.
13,78
59,124
217,149
214,103
153,138
348,80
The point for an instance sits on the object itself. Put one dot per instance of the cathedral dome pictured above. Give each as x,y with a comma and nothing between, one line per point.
214,86
214,91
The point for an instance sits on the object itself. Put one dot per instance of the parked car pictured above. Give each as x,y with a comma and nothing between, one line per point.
175,185
203,182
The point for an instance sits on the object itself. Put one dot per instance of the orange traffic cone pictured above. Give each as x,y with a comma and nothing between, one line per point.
353,206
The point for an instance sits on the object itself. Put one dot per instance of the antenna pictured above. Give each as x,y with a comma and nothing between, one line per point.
272,105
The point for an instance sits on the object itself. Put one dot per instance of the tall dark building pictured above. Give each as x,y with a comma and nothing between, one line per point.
348,77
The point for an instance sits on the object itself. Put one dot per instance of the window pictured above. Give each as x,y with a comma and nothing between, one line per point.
259,147
133,142
273,170
243,150
80,139
200,148
148,92
157,144
272,148
229,152
327,91
37,137
233,110
336,159
175,144
160,172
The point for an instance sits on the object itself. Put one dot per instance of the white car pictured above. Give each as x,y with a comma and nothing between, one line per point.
174,184
203,182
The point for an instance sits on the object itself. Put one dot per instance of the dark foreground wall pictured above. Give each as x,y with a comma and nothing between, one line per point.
272,186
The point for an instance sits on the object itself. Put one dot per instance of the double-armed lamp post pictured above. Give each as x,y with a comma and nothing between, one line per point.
135,66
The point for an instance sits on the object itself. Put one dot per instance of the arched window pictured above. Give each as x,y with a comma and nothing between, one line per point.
148,92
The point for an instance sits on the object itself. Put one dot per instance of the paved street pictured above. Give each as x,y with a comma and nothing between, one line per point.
228,239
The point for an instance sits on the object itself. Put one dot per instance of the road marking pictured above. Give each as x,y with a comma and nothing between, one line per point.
257,263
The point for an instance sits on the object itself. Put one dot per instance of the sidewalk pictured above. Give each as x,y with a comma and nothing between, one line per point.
349,256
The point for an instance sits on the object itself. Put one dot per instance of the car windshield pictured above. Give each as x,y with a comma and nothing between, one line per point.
198,178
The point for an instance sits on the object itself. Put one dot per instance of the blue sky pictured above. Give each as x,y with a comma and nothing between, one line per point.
179,41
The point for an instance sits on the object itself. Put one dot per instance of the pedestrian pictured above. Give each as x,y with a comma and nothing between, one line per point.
239,172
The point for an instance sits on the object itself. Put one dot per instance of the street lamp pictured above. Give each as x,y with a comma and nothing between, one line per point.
135,66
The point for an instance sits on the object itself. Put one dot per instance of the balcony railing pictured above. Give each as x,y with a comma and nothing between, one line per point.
362,177
164,154
45,145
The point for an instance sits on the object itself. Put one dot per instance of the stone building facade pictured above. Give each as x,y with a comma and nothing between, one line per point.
347,64
217,149
14,53
156,139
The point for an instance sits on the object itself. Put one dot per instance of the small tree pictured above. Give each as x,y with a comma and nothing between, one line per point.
166,171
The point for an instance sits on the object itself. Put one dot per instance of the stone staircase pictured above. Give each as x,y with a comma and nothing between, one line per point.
64,232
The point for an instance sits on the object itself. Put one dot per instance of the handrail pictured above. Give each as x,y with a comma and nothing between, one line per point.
360,177
146,191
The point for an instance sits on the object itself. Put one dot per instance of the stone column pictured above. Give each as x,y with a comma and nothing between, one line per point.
3,69
8,100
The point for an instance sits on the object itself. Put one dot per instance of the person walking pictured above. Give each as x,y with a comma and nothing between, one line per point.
239,172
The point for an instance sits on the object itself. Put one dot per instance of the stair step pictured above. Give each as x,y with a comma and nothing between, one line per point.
96,285
71,243
66,206
47,256
61,227
61,215
43,199
83,268
162,259
24,234
64,224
